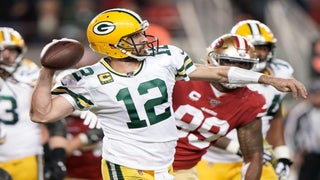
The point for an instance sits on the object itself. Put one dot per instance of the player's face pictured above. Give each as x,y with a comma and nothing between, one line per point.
139,41
262,52
8,56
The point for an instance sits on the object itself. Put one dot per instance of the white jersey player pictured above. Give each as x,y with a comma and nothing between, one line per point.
22,136
21,145
145,98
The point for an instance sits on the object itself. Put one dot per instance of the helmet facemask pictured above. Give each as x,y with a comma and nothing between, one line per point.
12,68
225,60
129,47
11,39
264,61
232,50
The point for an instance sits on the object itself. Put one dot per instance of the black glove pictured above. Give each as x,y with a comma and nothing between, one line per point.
55,168
282,168
92,136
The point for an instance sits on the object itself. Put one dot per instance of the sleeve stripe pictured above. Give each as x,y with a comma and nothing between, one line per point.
186,65
81,101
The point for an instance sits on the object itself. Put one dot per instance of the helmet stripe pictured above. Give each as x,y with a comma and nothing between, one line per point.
254,28
7,36
241,43
237,42
1,36
133,14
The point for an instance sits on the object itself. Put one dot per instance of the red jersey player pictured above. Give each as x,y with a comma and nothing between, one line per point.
206,111
85,162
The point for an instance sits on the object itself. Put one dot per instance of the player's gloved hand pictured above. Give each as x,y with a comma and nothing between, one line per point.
90,119
267,156
56,169
282,168
283,163
92,136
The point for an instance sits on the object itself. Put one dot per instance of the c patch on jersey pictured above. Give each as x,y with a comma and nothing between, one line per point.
105,78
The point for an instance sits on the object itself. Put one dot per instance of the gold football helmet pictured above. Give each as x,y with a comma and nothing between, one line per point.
232,50
10,38
109,33
258,34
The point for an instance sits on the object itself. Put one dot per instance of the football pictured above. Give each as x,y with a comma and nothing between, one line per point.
61,54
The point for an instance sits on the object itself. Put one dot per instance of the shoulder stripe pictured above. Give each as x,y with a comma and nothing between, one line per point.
186,65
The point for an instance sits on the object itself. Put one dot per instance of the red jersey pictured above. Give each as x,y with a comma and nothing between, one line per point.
84,164
203,114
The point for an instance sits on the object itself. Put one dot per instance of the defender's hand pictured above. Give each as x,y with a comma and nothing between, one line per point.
286,85
92,136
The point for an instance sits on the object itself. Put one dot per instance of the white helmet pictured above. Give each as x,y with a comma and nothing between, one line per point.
232,50
10,38
258,34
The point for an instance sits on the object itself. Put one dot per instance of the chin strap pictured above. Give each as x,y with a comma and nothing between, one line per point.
138,58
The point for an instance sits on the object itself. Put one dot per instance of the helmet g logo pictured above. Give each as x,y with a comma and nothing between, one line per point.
103,28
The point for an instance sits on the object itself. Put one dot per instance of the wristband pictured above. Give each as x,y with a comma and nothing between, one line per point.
58,154
282,152
233,147
242,76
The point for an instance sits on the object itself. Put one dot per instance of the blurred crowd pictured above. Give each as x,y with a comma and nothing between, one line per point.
42,20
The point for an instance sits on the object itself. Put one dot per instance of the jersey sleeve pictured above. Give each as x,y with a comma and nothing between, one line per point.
182,62
73,90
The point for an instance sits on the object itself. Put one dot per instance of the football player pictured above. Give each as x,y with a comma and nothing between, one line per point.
130,91
205,111
217,162
21,139
84,162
